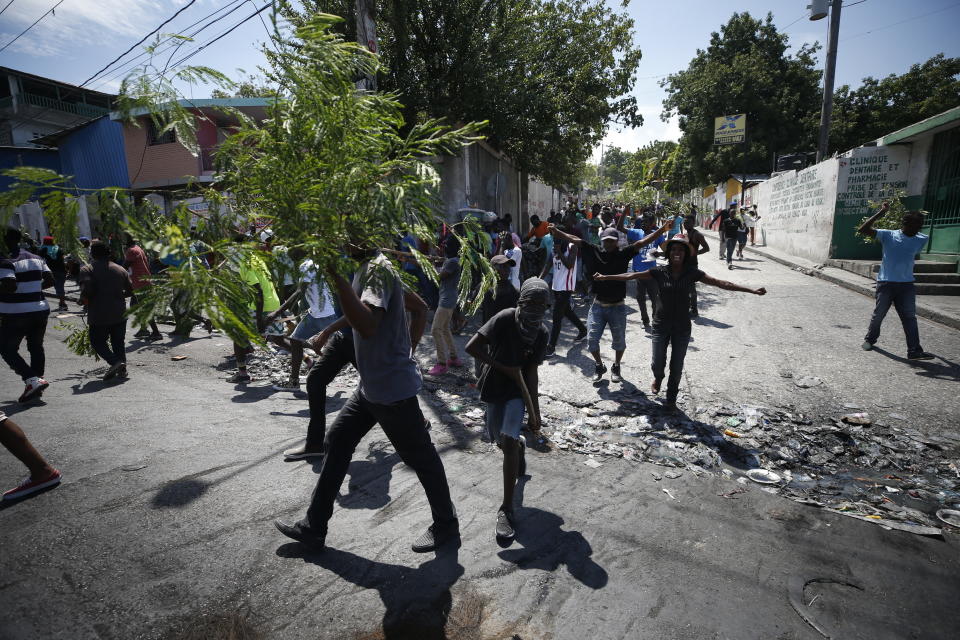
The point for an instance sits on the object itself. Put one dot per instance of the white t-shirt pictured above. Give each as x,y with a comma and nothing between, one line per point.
749,221
565,279
317,295
516,255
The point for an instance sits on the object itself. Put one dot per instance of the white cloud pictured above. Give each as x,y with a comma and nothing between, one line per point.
632,139
94,25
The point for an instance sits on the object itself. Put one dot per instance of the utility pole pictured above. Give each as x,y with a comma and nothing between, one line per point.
367,37
828,75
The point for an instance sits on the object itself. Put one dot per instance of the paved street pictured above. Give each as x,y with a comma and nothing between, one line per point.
172,480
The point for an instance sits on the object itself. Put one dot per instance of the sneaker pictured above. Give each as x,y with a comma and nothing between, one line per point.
301,453
34,388
454,362
434,538
143,333
154,337
112,371
122,371
505,525
867,346
598,371
63,307
302,534
921,355
615,373
290,385
580,336
550,350
730,265
437,370
28,485
239,378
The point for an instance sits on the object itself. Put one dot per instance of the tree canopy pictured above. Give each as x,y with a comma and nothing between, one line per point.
879,107
745,69
548,75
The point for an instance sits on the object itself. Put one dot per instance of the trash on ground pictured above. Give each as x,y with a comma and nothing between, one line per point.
176,358
763,476
950,516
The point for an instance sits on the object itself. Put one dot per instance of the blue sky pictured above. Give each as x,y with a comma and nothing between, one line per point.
878,37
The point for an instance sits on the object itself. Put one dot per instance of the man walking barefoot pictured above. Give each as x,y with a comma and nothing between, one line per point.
895,280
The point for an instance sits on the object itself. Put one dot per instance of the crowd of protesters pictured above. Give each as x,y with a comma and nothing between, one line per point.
576,256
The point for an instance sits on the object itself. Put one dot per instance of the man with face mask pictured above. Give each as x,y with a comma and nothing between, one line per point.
510,346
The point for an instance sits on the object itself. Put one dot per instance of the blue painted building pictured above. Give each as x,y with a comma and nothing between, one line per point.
11,157
92,153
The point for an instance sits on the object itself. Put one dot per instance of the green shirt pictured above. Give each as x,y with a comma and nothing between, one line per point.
255,272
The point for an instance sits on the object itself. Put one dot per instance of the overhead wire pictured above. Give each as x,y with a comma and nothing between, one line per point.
49,11
895,24
141,41
5,7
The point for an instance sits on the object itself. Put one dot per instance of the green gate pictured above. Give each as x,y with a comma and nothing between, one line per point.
942,199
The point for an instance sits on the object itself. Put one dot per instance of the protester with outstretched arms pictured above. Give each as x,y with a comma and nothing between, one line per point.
671,316
895,280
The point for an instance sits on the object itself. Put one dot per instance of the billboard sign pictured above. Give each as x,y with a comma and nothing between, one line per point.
730,129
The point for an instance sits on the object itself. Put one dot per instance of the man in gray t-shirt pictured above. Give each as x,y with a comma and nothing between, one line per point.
387,395
388,371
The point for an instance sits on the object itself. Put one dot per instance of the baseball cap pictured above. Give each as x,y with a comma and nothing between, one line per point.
502,259
609,232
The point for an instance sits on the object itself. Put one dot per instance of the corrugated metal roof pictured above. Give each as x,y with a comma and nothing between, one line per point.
11,157
93,154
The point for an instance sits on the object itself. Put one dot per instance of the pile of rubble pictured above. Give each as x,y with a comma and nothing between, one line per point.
890,472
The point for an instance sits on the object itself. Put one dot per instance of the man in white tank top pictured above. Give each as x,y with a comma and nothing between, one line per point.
565,264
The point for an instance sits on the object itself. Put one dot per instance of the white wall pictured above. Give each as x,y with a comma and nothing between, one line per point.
797,210
540,199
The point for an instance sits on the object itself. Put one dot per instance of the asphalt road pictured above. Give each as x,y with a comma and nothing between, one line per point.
163,524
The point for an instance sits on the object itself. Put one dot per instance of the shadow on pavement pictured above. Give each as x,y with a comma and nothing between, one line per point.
546,546
927,368
417,600
97,385
12,407
369,486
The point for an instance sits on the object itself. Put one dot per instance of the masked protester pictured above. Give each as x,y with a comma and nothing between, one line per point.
510,346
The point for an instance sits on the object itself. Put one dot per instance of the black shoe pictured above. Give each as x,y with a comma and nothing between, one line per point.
615,373
598,371
921,355
505,525
154,337
113,370
550,350
580,336
239,378
143,333
302,534
301,453
435,537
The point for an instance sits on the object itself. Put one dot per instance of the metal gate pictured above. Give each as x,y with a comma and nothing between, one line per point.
942,199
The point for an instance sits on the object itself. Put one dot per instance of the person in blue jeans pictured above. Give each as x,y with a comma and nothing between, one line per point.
608,307
895,280
510,346
671,316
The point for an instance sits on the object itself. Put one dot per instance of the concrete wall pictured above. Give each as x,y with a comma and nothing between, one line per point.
482,178
797,210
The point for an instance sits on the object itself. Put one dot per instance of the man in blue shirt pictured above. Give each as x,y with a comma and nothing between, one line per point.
644,261
895,280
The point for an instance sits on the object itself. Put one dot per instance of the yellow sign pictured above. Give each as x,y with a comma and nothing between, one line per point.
730,129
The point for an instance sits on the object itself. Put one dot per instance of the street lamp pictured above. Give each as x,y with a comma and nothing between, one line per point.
818,11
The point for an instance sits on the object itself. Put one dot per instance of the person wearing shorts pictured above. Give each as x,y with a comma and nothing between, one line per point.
511,346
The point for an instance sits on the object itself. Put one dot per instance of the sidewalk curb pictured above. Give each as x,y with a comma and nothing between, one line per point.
811,269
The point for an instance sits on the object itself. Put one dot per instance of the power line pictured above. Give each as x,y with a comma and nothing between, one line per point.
172,41
224,34
49,11
941,10
141,41
5,6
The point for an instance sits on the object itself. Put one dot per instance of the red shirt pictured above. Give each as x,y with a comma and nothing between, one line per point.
136,260
540,230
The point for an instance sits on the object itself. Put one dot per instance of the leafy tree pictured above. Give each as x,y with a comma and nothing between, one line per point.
252,87
548,75
879,107
329,167
745,69
615,162
650,165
